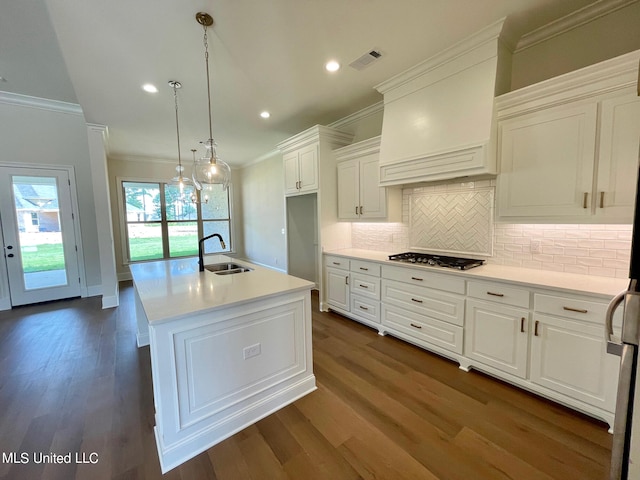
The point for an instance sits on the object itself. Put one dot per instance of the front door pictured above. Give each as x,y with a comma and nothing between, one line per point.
38,234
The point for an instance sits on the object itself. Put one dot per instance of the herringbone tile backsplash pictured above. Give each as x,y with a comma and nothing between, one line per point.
587,249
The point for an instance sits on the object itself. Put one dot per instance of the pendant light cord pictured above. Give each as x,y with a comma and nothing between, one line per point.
206,60
175,86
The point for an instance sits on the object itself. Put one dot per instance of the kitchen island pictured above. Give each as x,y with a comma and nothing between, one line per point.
227,349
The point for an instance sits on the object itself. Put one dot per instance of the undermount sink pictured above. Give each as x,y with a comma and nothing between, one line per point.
226,268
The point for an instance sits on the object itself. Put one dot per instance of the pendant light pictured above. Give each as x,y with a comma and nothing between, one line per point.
179,180
210,169
194,197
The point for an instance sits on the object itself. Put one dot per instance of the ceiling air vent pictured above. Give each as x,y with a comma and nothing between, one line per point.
366,59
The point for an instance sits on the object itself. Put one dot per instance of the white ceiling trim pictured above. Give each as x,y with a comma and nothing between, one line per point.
8,98
569,22
357,116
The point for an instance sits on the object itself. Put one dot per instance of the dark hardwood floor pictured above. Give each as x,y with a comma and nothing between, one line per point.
73,381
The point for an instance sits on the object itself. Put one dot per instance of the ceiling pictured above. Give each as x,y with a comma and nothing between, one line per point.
264,55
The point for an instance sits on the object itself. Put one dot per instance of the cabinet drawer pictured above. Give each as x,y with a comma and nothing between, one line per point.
443,306
423,328
365,285
424,277
365,308
577,309
337,262
369,268
499,293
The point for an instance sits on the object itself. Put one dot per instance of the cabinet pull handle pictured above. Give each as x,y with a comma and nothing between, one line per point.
346,280
360,209
522,325
336,263
364,286
578,310
535,328
363,308
601,199
416,278
416,300
496,294
365,269
584,199
415,326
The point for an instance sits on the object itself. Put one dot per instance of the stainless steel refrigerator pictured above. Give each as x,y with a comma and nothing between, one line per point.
625,454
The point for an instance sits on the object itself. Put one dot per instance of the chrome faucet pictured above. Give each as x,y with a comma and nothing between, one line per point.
201,249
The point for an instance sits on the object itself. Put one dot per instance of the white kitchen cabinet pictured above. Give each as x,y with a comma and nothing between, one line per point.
337,281
568,147
618,157
569,350
546,162
497,326
497,336
359,195
353,289
301,170
424,308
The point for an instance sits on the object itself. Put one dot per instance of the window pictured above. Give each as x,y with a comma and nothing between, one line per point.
162,222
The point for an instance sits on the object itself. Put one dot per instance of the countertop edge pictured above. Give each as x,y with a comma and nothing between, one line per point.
571,283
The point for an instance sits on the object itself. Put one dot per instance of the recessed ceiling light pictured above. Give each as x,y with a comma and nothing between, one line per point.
265,114
332,66
147,87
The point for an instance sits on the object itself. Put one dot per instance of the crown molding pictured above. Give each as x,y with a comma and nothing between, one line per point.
359,115
573,20
17,99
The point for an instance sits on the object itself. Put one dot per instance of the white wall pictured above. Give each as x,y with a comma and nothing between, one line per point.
41,135
607,37
263,212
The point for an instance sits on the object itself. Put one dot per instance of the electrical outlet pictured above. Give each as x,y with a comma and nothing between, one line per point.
251,351
536,246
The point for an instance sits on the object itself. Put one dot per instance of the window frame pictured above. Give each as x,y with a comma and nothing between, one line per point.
164,222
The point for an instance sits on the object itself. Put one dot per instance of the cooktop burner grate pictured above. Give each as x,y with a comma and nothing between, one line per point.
437,260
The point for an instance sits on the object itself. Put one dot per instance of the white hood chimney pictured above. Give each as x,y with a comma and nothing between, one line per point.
438,115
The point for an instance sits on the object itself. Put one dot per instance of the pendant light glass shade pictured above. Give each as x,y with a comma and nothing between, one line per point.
209,169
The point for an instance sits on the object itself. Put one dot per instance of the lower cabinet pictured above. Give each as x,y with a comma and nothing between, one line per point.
353,289
569,353
498,336
545,341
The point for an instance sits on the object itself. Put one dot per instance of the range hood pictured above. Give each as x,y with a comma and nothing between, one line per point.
438,115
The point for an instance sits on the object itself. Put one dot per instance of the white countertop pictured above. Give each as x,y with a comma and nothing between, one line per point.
569,282
171,289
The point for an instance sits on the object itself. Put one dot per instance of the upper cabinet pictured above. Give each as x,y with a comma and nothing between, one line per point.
307,157
360,196
568,147
438,115
301,170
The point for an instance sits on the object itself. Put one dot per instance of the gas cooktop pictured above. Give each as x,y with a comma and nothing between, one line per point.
437,260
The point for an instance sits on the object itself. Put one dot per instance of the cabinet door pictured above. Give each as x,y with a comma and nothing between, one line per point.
308,165
290,173
618,158
546,163
497,336
372,196
571,358
338,288
348,187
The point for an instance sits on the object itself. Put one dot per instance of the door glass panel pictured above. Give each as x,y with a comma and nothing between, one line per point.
40,231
